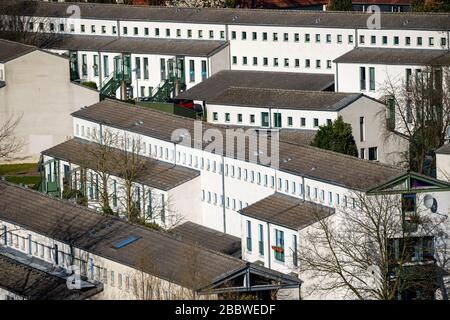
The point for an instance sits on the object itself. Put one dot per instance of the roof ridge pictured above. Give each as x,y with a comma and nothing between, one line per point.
330,93
284,11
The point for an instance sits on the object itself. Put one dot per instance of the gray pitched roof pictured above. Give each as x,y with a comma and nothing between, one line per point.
445,149
156,253
207,237
225,79
33,284
299,18
284,99
198,48
10,50
307,161
395,56
157,174
287,211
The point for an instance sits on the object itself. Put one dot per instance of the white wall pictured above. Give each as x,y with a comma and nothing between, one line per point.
39,90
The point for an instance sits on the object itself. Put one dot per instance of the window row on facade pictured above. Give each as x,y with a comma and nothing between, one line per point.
282,62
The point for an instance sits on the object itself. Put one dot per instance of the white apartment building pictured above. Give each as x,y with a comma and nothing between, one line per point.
294,41
114,259
35,87
145,64
236,195
375,71
308,110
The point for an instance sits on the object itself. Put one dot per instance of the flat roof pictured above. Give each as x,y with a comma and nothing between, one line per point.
445,149
34,284
307,161
10,50
287,211
225,79
239,16
396,56
284,99
155,173
155,252
195,48
207,237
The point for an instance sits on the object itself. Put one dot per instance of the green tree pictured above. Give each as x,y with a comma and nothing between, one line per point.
340,5
430,6
336,136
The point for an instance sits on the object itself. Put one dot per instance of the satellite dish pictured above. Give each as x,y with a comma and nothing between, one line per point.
430,203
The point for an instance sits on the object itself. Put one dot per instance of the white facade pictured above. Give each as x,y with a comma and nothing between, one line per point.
38,90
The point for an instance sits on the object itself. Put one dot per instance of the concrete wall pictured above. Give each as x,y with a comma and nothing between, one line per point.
38,89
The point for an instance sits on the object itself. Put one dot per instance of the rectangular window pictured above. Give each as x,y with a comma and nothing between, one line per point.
163,68
396,40
297,63
419,41
307,63
261,240
137,62
167,32
302,122
215,116
244,35
362,78
146,31
279,245
227,117
275,36
408,79
296,37
371,78
254,36
249,236
189,33
290,121
125,30
239,118
265,61
211,34
191,70
408,41
362,153
264,34
328,64
200,34
146,71
286,62
252,118
204,74
431,41
277,120
234,60
361,129
350,38
244,61
339,38
255,61
95,66
286,36
316,122
265,119
106,66
294,251
373,40
136,31
233,35
373,153
384,40
317,38
275,62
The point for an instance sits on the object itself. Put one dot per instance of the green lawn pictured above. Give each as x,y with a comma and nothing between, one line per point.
17,169
25,173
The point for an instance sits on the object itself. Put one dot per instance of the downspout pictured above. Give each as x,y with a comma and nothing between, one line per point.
303,188
223,195
269,253
100,71
356,38
336,79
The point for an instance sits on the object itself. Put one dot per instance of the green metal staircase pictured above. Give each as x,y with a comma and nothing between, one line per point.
164,91
121,73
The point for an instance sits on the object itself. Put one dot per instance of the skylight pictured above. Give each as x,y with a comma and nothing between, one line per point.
125,242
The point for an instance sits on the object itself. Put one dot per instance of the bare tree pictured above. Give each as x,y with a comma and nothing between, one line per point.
419,111
379,250
19,21
9,144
